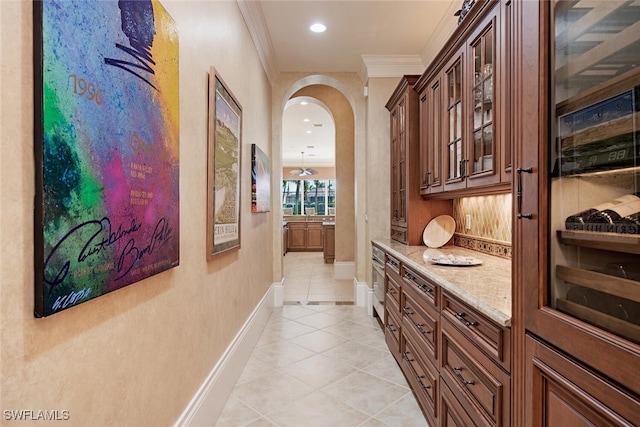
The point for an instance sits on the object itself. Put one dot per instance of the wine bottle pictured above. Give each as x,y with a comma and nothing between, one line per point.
578,221
606,220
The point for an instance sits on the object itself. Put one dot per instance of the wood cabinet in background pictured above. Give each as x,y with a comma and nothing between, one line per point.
329,245
409,213
285,238
305,236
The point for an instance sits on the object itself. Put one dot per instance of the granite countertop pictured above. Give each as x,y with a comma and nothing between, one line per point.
485,287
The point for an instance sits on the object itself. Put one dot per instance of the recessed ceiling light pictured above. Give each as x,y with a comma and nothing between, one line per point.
318,28
305,120
308,131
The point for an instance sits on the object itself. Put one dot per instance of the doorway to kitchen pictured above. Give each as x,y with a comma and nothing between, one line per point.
309,280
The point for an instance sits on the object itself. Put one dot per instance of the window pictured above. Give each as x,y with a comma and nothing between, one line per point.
305,195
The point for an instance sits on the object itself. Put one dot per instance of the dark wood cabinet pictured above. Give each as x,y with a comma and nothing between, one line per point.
577,330
455,359
464,106
409,213
564,392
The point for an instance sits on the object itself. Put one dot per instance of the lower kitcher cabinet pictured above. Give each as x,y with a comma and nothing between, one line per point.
480,386
392,329
563,393
452,413
421,375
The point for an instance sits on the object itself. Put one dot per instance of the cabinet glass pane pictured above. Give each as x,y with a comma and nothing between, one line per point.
595,164
482,92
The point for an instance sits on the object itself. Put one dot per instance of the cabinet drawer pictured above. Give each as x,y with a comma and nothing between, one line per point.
490,337
452,412
399,234
423,324
422,376
392,264
392,332
420,284
393,289
480,385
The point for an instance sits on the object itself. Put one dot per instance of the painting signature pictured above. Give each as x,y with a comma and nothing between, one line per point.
100,235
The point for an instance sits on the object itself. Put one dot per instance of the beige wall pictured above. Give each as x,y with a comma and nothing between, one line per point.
136,356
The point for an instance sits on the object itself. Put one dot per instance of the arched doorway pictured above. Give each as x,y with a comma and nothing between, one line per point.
339,101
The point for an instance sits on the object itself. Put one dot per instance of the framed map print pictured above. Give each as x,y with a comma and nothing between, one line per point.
223,177
106,148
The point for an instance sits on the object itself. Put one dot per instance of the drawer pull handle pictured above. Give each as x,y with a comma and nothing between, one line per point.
457,372
426,289
426,387
420,327
409,276
407,311
391,291
391,328
461,317
406,356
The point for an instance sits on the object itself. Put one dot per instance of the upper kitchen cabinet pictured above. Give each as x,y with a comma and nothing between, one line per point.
464,100
409,213
577,230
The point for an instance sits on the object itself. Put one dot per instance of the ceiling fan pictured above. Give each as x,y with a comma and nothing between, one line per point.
302,171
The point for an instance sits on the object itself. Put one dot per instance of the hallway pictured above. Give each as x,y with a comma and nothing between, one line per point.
321,365
321,361
309,279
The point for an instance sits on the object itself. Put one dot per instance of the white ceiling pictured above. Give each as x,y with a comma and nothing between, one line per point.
385,38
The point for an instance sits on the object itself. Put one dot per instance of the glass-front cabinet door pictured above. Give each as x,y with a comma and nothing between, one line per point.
595,165
482,148
455,161
587,301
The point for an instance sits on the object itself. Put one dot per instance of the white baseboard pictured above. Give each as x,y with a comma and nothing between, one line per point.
209,401
364,295
278,293
344,270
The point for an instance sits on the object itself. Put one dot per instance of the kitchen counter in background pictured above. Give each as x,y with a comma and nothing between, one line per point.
486,287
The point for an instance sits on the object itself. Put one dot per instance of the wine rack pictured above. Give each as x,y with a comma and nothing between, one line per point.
626,243
605,300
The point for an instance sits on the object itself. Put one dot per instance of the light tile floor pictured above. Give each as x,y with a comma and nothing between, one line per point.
320,363
308,278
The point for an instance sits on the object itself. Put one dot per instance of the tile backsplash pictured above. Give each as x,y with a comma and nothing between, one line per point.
490,223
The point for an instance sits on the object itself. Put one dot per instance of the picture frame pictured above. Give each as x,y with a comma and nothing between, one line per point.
260,180
224,160
106,148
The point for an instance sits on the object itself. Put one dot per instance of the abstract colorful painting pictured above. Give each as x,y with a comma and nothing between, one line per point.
260,180
106,148
224,155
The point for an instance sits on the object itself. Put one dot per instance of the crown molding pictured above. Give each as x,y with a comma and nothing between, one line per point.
391,65
254,19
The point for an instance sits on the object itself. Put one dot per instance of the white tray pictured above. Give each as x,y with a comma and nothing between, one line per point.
459,261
